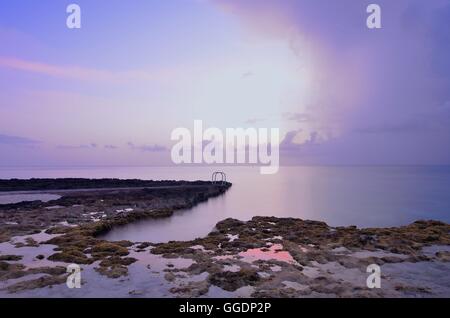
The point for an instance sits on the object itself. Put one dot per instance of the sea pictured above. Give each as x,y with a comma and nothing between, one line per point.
365,196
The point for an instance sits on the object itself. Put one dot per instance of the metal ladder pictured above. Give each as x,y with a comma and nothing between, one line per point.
223,178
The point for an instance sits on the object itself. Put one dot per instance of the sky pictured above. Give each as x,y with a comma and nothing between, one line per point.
112,92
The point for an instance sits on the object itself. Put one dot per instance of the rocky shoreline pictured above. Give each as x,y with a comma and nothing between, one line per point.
263,257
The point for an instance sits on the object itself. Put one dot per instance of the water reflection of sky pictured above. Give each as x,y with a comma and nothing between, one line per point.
15,198
363,196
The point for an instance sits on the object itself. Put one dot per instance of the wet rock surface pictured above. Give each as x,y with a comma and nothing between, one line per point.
297,258
119,206
263,257
72,223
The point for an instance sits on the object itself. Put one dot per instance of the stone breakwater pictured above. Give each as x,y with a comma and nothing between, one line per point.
70,225
94,202
263,257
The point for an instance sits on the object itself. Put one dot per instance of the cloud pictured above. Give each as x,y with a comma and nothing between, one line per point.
432,121
111,147
255,120
247,74
71,71
92,145
406,127
16,140
72,147
288,143
147,148
298,117
364,84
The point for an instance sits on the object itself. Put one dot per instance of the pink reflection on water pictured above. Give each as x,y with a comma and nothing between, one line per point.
273,253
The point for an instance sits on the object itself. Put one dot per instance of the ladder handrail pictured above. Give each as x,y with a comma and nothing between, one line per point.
222,174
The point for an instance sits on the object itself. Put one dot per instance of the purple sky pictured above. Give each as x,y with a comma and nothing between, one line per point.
112,92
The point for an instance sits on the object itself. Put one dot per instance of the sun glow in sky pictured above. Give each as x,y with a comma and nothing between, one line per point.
112,92
216,70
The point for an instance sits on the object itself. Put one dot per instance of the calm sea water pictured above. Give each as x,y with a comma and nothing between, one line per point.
362,196
15,198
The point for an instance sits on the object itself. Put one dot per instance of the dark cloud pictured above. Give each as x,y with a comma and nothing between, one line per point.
377,92
289,144
16,140
434,120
